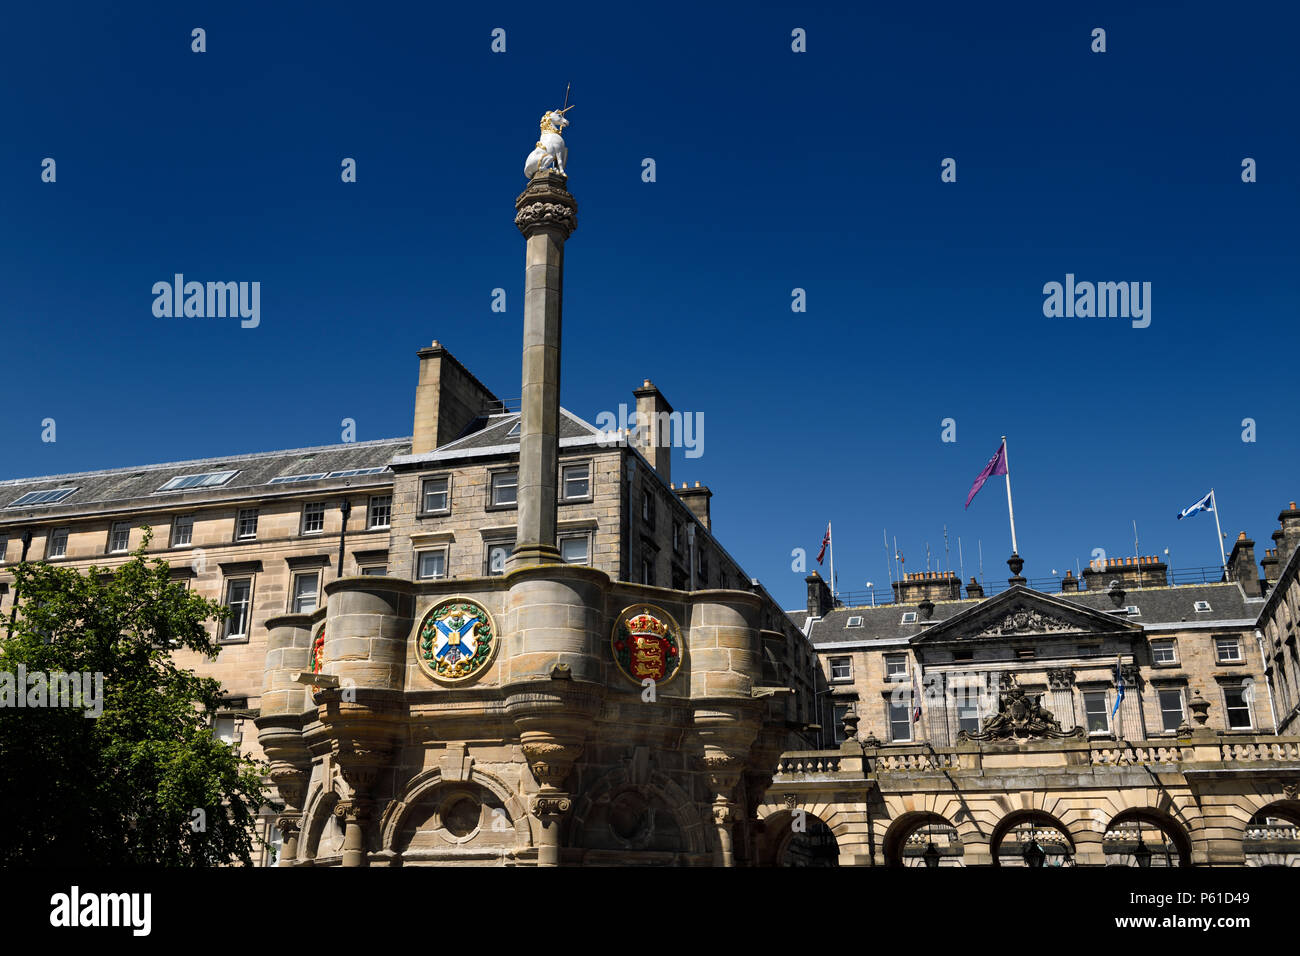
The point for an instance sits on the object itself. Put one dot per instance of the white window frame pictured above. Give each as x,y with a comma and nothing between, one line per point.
377,507
424,495
909,617
209,479
295,598
59,535
497,481
1243,689
565,480
419,563
240,519
905,702
179,522
313,508
1161,643
489,547
890,661
846,662
854,621
114,530
1182,707
585,538
1238,656
227,635
1105,712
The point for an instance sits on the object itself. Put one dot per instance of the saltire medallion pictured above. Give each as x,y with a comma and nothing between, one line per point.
647,643
457,640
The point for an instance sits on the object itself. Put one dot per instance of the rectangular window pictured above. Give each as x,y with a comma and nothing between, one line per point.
1162,652
313,517
838,713
575,549
1096,711
960,656
841,668
900,719
246,524
239,593
119,538
182,531
48,497
677,537
1171,708
505,488
436,495
968,711
223,728
375,570
648,506
290,479
58,544
380,511
895,667
1237,705
1227,649
305,587
433,564
576,481
647,571
497,556
4,546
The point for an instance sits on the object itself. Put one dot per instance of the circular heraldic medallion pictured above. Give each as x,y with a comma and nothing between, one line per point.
647,644
457,640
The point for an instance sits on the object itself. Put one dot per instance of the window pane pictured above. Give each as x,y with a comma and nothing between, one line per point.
900,720
433,564
497,556
841,668
237,593
1162,652
182,530
59,543
313,517
505,487
1094,705
574,550
378,570
577,482
1171,708
435,494
120,536
1228,648
247,526
895,665
381,507
305,593
1238,708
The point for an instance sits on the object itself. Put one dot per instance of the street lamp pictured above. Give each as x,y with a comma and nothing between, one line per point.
1034,854
1142,853
931,855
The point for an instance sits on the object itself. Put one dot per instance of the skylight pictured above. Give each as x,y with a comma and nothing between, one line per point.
351,472
514,429
208,480
47,497
285,479
909,617
855,621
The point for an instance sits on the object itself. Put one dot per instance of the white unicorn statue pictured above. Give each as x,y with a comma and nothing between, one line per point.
551,153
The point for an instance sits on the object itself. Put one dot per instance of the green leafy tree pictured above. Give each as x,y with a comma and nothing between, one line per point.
121,788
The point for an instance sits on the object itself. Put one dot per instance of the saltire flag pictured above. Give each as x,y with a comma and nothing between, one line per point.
997,466
825,542
1205,504
916,699
1119,687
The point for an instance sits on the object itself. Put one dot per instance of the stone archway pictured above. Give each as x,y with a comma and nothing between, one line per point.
923,838
1272,835
1031,838
318,814
799,836
476,817
1146,832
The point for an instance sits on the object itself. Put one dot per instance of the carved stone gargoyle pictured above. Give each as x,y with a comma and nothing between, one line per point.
1019,716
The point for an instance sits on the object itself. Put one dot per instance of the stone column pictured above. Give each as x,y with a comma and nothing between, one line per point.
547,216
353,814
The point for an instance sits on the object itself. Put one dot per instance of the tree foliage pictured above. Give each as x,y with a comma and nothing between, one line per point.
121,788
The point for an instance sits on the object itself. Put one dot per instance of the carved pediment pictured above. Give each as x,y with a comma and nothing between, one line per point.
1025,620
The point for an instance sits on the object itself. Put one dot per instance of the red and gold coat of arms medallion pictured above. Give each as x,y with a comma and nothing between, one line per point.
647,643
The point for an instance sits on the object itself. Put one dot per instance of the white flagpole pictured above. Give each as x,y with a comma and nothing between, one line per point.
1010,511
1219,529
831,535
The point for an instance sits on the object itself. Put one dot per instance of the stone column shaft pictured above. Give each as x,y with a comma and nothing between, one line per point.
546,217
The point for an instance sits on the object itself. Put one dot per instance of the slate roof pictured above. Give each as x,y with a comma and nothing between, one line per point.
1157,606
490,435
253,471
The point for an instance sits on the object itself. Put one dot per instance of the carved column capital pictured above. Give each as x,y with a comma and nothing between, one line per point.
1060,678
551,804
546,205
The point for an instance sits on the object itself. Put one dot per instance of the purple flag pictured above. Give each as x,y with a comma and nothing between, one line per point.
997,466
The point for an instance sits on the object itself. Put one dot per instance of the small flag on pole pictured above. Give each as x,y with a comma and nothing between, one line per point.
825,543
997,466
1205,504
1119,687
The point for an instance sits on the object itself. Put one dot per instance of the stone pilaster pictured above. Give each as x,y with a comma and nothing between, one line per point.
547,216
1060,697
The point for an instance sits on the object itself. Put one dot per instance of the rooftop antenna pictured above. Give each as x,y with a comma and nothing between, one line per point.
961,565
888,564
980,543
947,552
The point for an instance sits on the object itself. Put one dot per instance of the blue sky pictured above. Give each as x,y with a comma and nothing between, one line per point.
775,171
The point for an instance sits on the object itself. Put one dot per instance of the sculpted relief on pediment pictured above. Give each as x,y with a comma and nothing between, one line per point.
1025,620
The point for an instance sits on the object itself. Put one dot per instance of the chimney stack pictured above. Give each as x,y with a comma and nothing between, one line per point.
654,429
697,499
927,586
819,596
1241,566
1290,519
547,216
447,399
1147,571
1069,583
974,589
